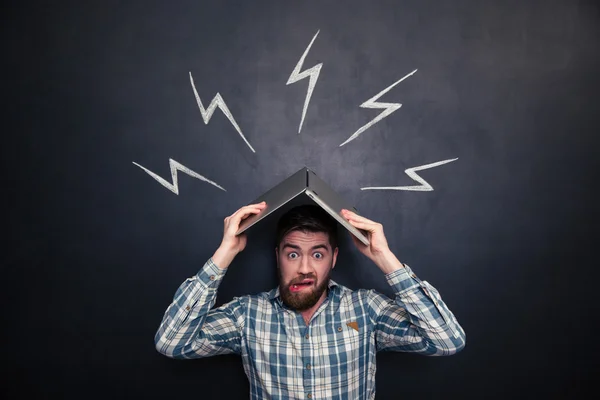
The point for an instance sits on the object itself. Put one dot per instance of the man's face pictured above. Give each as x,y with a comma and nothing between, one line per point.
305,260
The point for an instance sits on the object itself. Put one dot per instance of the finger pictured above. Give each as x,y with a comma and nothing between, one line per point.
232,224
245,209
357,242
261,204
243,214
367,226
257,205
352,215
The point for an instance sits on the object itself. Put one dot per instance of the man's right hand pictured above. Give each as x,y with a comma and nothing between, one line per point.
233,244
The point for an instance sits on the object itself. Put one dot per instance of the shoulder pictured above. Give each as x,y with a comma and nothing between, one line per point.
354,294
369,301
354,297
253,301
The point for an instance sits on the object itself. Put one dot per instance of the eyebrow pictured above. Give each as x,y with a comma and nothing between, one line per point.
296,247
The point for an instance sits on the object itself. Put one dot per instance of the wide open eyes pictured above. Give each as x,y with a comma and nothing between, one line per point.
294,255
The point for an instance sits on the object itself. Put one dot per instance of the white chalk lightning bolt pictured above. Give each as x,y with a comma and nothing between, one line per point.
423,187
313,73
217,101
373,103
175,166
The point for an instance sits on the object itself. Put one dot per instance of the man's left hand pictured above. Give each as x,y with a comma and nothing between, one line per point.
378,250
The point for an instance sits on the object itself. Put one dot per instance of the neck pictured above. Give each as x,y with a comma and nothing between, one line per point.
307,314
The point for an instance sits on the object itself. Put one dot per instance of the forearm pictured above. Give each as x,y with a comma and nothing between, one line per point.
185,316
223,257
432,328
387,262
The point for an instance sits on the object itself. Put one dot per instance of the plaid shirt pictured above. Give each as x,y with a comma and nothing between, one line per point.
333,357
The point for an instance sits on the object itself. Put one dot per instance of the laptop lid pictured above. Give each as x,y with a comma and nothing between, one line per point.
276,197
322,194
304,181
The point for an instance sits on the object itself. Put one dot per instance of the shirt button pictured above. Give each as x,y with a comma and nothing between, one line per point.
212,277
307,366
339,328
309,396
187,308
306,336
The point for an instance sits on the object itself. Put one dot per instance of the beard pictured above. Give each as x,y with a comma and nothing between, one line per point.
305,299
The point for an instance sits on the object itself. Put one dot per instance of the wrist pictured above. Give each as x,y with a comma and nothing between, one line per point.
387,262
223,257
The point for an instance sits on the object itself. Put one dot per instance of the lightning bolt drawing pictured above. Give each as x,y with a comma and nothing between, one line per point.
424,187
175,166
313,73
373,103
217,101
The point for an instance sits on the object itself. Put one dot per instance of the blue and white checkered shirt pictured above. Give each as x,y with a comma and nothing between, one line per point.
333,357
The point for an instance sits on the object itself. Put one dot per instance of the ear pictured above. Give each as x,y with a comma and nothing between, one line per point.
277,255
335,254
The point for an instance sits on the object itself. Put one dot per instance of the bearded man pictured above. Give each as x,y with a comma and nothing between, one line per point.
309,338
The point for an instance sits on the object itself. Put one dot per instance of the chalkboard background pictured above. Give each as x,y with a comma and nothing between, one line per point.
94,247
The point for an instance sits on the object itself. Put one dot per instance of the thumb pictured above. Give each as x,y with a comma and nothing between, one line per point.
243,240
360,245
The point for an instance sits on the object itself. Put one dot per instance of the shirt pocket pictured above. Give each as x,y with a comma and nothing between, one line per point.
353,338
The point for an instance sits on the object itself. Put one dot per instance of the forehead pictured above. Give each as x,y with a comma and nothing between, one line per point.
305,239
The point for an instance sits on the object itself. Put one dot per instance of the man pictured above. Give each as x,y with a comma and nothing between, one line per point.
310,338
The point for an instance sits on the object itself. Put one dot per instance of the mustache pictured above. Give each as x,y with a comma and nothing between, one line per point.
303,277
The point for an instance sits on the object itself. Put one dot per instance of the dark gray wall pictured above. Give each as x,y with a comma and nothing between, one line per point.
95,248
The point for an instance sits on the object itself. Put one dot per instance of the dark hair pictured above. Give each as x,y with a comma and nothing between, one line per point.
307,218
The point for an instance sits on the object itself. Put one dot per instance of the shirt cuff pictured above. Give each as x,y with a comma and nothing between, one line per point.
403,280
210,275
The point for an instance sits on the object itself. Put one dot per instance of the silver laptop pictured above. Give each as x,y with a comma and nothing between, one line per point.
304,183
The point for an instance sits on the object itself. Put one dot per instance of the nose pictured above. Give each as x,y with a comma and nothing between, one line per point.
305,267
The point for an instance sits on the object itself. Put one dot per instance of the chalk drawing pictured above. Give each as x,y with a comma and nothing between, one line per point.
295,76
217,101
423,187
175,166
373,103
313,73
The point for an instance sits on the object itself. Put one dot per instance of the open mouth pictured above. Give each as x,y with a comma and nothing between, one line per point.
298,286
